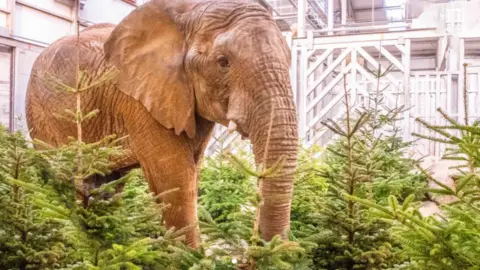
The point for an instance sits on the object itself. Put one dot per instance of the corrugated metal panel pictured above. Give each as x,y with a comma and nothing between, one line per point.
52,6
39,26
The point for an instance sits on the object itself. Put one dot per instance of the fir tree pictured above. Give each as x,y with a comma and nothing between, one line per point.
451,241
224,189
226,208
29,237
367,161
309,188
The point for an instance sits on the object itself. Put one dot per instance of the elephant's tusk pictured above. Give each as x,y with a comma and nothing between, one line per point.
232,126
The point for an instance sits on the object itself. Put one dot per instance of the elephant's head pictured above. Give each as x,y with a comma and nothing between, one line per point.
225,61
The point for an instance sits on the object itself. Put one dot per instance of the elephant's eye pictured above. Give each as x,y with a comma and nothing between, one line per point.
223,62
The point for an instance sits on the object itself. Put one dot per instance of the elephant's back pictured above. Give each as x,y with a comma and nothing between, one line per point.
54,71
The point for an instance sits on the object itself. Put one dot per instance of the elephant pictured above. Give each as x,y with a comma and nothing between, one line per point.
182,66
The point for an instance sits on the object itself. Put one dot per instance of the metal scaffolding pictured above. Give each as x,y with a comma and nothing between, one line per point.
326,15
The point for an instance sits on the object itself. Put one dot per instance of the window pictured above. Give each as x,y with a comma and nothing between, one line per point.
395,9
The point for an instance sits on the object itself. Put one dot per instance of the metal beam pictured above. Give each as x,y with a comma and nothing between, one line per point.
406,60
325,41
330,8
322,16
18,43
360,28
377,9
304,14
352,9
302,11
13,76
442,48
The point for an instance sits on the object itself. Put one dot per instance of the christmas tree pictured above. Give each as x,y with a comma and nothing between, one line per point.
367,161
29,237
451,240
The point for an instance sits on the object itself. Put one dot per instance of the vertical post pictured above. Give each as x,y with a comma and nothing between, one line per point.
13,51
301,96
406,89
438,90
454,54
289,38
344,12
406,9
302,11
11,16
330,7
75,17
310,114
461,78
449,100
294,73
450,96
13,65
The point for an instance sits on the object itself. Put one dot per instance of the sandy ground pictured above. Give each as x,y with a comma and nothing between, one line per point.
441,172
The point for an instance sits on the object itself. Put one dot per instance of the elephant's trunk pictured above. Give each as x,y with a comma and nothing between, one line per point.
275,137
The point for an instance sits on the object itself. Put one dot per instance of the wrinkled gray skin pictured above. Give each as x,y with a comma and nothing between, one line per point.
183,66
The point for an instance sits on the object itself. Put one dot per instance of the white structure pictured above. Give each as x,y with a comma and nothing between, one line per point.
426,43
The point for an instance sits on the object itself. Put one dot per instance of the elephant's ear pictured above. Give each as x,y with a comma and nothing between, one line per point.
148,49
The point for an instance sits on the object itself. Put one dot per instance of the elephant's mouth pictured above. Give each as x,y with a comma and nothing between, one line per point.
242,133
233,126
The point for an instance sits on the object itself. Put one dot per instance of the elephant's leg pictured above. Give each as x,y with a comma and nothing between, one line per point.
97,181
203,134
168,163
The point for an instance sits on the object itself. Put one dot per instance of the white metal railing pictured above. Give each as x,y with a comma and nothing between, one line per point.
432,90
326,65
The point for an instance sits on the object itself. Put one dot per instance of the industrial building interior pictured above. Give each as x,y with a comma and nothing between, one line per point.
425,42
